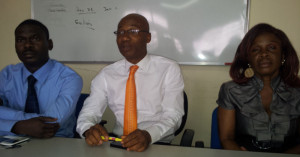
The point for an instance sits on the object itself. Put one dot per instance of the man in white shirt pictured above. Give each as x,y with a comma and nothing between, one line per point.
159,91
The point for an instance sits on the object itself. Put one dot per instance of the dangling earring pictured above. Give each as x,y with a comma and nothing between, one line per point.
283,62
249,72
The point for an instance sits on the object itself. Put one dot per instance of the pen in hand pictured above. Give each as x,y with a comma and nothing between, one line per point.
112,139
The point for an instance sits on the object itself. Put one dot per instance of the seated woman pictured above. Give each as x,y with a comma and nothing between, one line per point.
259,110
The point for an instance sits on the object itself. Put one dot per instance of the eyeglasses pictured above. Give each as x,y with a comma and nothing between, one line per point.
130,32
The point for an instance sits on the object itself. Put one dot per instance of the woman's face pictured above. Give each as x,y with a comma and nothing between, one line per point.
265,55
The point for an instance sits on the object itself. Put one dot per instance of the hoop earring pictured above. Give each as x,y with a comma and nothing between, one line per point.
249,72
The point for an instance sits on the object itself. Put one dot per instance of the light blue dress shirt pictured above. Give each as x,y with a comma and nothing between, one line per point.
58,89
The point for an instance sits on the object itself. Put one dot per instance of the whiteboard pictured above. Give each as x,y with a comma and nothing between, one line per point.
192,32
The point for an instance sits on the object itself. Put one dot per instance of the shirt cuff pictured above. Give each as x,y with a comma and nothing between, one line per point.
154,133
83,128
6,125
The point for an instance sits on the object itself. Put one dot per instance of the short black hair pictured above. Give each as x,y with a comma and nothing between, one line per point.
35,23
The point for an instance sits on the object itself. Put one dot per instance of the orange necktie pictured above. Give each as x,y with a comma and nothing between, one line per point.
130,115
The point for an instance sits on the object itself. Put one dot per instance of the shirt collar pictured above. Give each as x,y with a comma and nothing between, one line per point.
274,82
143,64
41,74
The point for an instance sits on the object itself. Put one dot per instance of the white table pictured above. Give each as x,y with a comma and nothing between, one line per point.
70,147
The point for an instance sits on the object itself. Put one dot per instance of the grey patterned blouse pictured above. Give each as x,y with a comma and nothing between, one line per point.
254,128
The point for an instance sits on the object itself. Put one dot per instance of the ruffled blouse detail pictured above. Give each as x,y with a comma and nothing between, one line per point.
246,99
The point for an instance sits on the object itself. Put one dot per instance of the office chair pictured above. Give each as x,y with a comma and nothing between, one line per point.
214,138
79,105
184,117
80,102
188,134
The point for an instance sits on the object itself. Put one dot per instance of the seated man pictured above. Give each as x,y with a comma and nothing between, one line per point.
39,95
153,95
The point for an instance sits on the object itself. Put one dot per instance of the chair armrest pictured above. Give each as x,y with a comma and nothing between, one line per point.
187,138
199,144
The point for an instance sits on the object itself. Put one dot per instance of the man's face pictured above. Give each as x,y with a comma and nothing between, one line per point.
32,45
133,46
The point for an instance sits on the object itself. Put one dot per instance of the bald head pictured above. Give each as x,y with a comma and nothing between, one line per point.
140,21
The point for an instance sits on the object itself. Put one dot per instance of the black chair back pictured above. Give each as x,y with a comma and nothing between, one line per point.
184,117
79,105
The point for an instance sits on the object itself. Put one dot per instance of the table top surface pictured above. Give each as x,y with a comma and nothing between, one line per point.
65,147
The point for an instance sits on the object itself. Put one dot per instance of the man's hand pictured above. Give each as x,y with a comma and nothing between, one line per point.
138,140
93,135
37,127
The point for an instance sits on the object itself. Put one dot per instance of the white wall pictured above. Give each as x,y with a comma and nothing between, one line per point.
201,82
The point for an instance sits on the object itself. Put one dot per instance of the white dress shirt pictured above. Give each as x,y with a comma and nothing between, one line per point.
159,88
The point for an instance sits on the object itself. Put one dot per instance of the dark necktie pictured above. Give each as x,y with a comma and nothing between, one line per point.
32,104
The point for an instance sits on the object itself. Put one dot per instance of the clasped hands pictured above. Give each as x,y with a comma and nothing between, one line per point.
138,140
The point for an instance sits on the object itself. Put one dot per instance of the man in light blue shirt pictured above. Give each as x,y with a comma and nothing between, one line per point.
57,88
